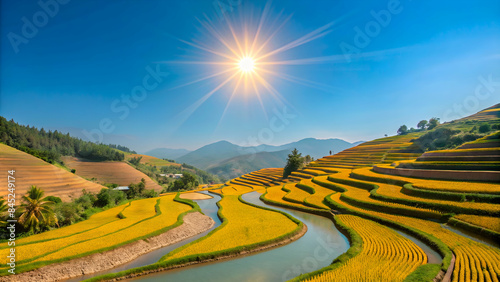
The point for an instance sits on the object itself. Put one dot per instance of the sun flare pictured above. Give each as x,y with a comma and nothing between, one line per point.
247,64
245,58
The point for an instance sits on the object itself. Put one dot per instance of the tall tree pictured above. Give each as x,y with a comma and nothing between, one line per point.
293,163
433,122
422,124
403,129
36,211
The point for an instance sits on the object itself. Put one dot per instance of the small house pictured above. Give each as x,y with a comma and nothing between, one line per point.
121,188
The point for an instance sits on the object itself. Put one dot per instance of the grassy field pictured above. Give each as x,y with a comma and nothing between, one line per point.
30,170
110,172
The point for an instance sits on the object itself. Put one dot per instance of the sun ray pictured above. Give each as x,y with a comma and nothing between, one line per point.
219,37
230,99
207,49
202,63
204,78
259,28
308,61
244,50
186,113
271,89
272,35
259,97
301,41
233,33
301,81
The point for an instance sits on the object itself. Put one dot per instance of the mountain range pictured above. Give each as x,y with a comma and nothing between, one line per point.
230,160
165,153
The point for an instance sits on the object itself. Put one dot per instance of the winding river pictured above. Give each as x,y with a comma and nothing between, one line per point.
316,249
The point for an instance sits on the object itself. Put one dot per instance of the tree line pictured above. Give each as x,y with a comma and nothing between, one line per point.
51,145
122,148
421,126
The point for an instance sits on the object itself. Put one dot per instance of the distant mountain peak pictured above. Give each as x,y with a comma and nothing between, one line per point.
224,153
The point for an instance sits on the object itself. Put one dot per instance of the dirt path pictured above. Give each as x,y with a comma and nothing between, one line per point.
194,223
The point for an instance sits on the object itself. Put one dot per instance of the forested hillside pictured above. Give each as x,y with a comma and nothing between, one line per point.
50,146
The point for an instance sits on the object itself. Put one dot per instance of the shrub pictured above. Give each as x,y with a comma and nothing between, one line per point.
86,200
485,127
67,213
111,185
73,171
149,194
188,181
135,160
54,199
437,139
109,198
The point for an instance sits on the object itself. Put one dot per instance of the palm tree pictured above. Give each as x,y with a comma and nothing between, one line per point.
36,211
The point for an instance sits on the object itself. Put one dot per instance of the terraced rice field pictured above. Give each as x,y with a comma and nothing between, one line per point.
437,185
263,177
344,183
491,113
149,160
277,194
33,171
489,222
110,172
350,187
363,197
482,155
294,194
384,150
318,198
103,231
393,194
474,260
244,225
385,255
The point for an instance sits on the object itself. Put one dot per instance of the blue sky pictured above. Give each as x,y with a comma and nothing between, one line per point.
70,73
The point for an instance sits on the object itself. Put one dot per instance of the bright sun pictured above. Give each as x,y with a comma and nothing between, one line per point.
247,64
246,57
